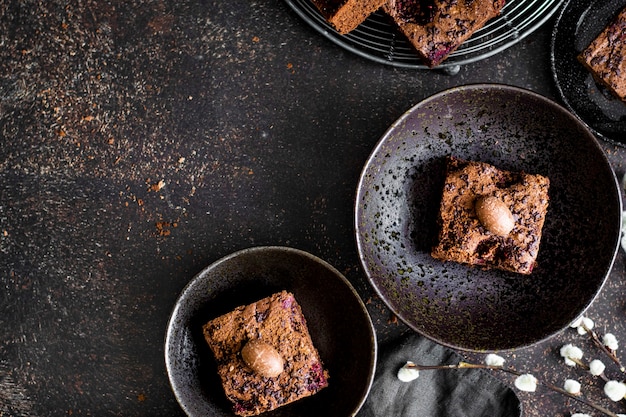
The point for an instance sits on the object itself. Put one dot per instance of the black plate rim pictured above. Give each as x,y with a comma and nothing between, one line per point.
563,94
376,150
189,289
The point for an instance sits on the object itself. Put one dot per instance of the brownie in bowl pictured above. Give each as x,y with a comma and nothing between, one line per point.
491,217
265,356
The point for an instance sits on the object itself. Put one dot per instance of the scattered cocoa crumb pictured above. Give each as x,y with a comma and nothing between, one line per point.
163,227
161,24
157,187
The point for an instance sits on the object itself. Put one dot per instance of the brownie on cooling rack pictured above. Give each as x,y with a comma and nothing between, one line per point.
466,230
605,57
436,28
277,323
346,15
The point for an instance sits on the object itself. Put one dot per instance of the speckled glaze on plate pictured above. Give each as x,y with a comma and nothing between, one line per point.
338,321
579,22
397,202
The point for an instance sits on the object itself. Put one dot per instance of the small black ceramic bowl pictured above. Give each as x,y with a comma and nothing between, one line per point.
398,198
339,324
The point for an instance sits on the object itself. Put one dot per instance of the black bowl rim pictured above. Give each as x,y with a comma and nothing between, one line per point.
454,90
189,287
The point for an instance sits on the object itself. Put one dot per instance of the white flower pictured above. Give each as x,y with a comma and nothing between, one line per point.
572,386
581,415
494,360
571,354
615,390
576,323
609,340
407,373
526,382
588,324
596,367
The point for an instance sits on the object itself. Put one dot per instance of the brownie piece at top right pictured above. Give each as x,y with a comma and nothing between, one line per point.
491,217
605,57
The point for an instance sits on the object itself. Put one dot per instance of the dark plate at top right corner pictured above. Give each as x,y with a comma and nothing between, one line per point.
579,22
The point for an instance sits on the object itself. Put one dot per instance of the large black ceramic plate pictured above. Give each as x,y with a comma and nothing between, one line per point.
397,203
578,24
378,40
339,324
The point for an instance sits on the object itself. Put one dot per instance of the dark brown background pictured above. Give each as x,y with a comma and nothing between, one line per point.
143,140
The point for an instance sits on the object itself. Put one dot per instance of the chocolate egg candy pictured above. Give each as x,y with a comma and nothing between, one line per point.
262,358
494,215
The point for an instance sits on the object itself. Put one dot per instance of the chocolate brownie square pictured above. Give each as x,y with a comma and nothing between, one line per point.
251,341
605,57
491,217
437,28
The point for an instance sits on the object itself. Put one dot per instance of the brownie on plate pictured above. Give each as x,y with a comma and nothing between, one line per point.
605,57
277,323
491,217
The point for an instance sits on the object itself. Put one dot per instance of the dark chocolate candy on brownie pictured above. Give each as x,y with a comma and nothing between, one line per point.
464,238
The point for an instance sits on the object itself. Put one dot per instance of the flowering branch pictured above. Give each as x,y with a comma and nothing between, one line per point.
573,356
604,346
524,382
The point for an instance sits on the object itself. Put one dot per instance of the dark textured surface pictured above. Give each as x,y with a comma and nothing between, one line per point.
337,320
143,140
398,200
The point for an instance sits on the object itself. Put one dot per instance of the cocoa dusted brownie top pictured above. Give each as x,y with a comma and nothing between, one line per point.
491,217
265,356
605,57
436,28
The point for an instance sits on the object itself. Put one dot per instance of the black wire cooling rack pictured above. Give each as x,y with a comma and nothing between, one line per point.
377,38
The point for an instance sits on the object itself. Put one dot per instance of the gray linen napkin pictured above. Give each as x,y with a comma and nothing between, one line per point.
439,393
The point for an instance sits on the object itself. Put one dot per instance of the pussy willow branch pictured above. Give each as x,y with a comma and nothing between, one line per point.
586,368
596,340
466,365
